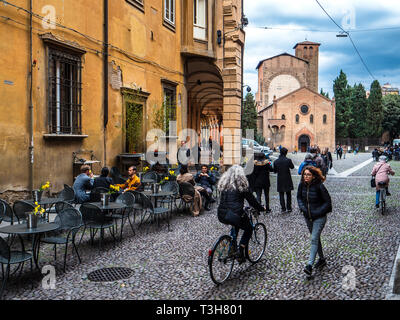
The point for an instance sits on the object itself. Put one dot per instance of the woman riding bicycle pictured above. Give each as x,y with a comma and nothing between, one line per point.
234,189
381,172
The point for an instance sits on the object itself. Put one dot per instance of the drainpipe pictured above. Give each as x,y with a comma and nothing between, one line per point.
30,81
105,75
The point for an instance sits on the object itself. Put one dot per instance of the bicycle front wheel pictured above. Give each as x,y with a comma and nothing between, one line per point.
256,246
221,260
383,202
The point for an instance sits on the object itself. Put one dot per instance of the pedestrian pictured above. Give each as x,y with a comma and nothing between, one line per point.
327,157
344,151
315,203
259,178
282,167
381,171
308,161
318,160
339,152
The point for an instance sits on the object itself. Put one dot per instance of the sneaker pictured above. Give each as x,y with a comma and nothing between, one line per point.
308,269
320,264
388,194
283,210
289,211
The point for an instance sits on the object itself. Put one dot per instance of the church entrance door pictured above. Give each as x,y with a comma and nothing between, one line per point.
304,142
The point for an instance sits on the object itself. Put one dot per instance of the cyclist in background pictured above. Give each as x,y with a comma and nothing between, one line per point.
381,172
234,189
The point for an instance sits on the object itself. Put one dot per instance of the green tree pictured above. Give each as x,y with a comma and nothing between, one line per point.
358,103
325,94
375,110
249,114
391,115
342,92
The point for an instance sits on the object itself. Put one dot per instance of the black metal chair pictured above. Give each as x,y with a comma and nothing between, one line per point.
95,194
149,177
171,186
155,213
6,212
186,189
20,209
116,176
62,205
67,194
8,257
94,219
128,199
70,221
138,205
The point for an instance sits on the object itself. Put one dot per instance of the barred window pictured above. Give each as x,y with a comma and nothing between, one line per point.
169,104
65,93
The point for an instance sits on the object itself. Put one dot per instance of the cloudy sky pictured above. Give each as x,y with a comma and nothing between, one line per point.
380,49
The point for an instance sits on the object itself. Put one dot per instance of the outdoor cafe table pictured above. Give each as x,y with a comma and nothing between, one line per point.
46,203
22,229
106,209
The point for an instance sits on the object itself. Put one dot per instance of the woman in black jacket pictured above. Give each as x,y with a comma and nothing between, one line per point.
234,189
315,202
259,178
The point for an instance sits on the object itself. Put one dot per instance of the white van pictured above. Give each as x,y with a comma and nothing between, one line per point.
396,141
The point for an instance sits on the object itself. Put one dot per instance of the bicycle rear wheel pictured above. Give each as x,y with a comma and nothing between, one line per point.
221,260
256,246
383,201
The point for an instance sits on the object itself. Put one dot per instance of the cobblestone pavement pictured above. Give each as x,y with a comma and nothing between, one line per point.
173,265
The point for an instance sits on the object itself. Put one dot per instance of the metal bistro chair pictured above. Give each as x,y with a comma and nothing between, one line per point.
20,209
149,177
62,205
6,212
138,205
8,257
186,188
128,199
94,219
171,186
95,194
70,221
67,194
155,213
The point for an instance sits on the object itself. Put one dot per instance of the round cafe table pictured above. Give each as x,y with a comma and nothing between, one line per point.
22,229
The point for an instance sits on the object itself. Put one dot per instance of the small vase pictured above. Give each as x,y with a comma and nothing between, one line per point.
105,199
37,195
32,221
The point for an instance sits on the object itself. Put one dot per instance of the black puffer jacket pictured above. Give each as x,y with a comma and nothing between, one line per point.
259,178
234,200
314,200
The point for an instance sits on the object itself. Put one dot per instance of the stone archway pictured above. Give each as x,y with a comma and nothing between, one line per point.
304,142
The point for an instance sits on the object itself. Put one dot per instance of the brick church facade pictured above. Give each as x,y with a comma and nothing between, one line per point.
291,112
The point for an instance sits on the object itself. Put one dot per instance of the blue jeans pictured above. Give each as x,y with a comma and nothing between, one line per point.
315,227
378,193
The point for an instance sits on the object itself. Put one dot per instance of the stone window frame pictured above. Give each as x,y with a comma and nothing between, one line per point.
169,24
139,4
308,111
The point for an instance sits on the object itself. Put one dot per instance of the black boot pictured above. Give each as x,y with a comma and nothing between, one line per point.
241,257
308,269
320,263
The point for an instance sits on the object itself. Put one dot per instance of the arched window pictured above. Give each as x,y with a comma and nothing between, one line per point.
283,117
305,52
311,118
310,51
297,118
324,118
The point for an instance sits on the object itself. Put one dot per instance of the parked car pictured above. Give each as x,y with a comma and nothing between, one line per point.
252,144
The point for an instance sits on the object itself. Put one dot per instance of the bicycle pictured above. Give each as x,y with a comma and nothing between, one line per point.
225,251
382,197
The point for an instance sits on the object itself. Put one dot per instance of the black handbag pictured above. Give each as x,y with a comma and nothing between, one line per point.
373,182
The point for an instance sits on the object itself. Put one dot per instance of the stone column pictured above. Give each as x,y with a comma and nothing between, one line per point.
232,78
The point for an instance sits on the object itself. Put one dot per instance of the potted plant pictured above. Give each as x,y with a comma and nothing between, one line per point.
33,217
37,194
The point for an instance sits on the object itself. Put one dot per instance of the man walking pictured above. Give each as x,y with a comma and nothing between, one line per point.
282,167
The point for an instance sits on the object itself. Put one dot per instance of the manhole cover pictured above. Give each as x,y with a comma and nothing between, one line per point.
110,274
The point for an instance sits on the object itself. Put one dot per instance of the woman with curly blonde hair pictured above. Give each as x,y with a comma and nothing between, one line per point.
234,189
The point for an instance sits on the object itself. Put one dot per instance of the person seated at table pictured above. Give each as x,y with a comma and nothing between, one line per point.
133,182
206,180
104,180
185,176
83,182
